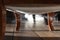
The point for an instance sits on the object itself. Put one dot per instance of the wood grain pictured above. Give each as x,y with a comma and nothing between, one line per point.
2,20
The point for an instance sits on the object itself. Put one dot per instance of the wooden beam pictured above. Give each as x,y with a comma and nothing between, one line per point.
32,1
2,20
17,17
51,28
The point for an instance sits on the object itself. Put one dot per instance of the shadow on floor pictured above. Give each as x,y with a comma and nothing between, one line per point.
21,38
31,38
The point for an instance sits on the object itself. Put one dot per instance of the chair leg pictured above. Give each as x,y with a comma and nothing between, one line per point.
17,17
51,28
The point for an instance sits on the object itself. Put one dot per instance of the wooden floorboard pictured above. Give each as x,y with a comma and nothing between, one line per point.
31,31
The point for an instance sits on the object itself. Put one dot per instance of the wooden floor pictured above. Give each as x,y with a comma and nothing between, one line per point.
31,31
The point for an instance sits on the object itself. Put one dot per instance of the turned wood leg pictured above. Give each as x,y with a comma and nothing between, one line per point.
51,28
17,16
